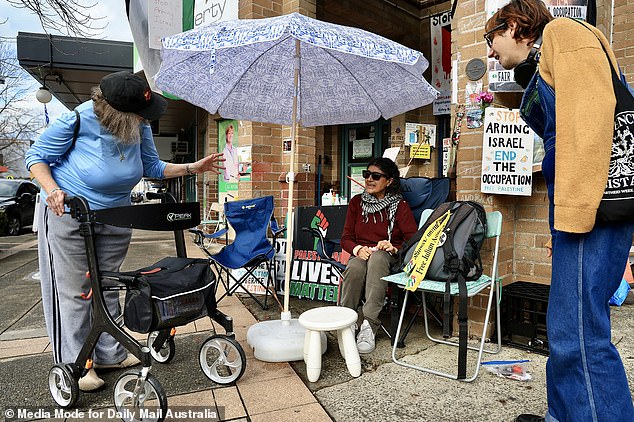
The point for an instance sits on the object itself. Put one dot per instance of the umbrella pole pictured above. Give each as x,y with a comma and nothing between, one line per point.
290,178
283,341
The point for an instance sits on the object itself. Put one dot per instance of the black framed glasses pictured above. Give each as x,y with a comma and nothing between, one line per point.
488,35
375,175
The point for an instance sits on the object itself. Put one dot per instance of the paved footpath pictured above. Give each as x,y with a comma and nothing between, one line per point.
271,391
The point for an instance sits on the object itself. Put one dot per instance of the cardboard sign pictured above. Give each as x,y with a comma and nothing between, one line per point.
507,153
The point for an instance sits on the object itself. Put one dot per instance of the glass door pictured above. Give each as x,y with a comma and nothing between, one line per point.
361,143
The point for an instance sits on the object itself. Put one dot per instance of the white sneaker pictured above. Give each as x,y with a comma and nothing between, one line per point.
90,381
365,339
129,361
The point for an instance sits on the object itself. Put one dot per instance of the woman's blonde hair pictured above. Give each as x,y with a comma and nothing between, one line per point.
123,126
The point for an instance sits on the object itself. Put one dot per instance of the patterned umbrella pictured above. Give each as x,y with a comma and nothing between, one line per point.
293,70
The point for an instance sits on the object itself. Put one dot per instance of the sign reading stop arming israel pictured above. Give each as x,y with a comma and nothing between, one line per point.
507,153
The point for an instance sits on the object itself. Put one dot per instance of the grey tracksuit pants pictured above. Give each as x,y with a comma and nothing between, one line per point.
360,275
63,267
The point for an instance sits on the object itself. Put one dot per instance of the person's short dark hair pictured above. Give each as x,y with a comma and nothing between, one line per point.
389,168
531,16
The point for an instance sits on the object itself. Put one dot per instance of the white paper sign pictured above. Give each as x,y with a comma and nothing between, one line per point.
362,148
507,153
391,153
164,18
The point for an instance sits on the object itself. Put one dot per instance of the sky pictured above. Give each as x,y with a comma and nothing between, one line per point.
114,20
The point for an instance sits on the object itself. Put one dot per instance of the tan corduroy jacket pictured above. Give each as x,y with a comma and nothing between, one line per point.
573,63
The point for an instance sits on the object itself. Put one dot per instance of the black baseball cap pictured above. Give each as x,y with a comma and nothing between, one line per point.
127,92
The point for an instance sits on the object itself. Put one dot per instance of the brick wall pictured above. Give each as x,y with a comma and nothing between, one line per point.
268,176
525,226
622,36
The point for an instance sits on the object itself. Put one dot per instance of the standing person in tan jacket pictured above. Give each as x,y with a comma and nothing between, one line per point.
569,102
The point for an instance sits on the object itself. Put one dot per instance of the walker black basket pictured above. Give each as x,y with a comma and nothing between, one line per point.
172,292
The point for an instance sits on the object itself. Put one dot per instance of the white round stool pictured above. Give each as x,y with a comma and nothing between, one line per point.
329,318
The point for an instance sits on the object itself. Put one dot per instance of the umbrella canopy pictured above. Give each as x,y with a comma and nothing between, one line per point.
243,69
293,69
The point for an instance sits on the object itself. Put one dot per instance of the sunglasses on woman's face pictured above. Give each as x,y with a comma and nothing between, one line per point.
375,175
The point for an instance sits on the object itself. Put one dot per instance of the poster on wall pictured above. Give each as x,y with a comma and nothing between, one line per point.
415,131
446,151
362,148
502,80
228,145
507,153
244,162
441,61
357,184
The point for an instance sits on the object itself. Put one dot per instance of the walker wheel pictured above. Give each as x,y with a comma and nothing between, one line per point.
166,352
222,359
135,400
63,386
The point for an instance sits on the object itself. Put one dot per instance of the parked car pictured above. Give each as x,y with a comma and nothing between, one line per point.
17,203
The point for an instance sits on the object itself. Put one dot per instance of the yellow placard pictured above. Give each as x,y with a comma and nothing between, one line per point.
420,151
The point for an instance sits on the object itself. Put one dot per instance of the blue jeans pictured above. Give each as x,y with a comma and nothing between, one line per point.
585,377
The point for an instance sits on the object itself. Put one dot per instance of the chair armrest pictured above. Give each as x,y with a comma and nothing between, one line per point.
276,229
281,230
326,246
198,237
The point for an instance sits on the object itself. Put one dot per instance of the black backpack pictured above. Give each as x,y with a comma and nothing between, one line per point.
458,261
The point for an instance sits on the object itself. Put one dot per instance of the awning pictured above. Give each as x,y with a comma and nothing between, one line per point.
71,66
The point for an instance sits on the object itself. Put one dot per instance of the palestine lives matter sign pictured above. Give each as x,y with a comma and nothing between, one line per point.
312,278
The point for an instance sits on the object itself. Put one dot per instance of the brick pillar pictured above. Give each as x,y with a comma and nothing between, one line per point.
270,165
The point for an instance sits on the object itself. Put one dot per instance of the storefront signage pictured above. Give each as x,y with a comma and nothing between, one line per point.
208,11
507,153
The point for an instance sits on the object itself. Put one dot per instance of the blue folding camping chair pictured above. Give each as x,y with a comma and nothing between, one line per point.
251,219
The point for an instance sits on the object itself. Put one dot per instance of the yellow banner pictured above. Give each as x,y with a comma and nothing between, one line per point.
417,267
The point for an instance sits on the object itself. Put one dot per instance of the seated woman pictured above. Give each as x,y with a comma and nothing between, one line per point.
377,224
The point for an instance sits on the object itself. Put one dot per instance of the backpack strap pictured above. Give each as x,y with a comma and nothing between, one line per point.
455,266
75,131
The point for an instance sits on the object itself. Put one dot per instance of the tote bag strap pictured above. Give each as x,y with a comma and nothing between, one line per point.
614,72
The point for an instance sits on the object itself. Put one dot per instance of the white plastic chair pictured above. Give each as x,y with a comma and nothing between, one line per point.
494,230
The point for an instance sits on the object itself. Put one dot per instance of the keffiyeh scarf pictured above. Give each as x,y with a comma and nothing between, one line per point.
370,205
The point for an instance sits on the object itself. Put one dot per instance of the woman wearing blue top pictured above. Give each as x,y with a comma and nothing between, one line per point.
113,150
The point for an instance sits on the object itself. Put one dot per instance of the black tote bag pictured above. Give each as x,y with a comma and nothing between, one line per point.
617,203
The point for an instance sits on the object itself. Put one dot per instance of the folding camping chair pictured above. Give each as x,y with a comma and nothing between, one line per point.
494,230
251,220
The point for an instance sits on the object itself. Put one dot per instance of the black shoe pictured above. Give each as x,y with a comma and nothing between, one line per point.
529,418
